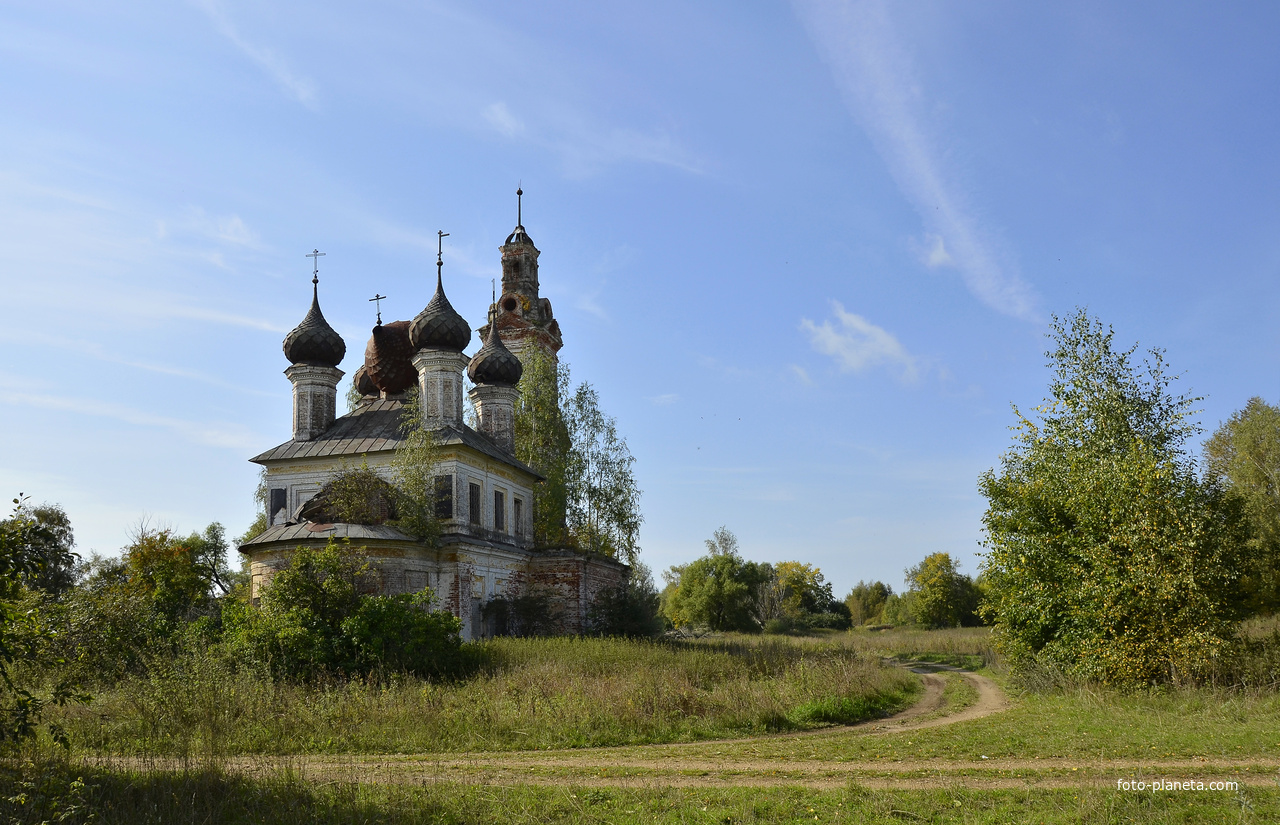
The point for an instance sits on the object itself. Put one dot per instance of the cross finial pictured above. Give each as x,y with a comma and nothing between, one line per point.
379,299
440,236
519,197
315,255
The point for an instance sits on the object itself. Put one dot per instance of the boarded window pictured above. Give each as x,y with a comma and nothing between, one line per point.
474,504
517,515
499,511
444,496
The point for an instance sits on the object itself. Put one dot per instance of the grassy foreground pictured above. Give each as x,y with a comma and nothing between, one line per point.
534,694
1052,757
209,796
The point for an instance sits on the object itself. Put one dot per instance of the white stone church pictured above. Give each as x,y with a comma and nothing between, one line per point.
484,493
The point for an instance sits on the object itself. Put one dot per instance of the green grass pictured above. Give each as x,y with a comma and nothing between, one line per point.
571,693
536,694
176,798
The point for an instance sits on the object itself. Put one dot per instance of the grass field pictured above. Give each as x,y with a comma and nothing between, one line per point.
534,694
1053,757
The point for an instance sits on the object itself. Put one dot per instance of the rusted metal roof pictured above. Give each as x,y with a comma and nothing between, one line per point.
307,531
374,427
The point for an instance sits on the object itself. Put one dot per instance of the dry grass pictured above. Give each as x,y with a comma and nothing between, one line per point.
534,693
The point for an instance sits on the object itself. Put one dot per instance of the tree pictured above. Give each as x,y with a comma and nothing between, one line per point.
944,597
797,595
177,576
1107,554
718,591
23,558
543,443
49,542
866,601
590,498
603,498
1244,453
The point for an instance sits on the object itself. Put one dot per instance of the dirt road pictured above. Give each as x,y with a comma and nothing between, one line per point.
689,765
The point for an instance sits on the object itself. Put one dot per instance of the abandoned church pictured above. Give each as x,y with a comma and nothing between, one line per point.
485,553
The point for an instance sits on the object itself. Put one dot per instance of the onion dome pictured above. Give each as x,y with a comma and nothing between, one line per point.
518,235
363,383
313,341
439,326
387,358
494,363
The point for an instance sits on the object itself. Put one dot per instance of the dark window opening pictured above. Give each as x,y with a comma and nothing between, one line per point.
474,502
444,496
279,500
517,515
499,511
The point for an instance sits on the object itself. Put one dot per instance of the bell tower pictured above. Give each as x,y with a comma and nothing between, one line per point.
524,318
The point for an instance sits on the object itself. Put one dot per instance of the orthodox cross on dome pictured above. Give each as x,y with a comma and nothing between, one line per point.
440,236
315,255
378,299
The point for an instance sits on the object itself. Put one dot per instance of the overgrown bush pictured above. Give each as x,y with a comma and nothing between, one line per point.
316,618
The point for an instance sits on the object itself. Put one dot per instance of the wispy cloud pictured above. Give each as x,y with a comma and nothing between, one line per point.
665,400
300,87
801,374
875,73
500,118
856,343
95,350
214,435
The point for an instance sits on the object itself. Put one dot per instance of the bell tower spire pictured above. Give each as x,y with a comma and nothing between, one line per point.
524,317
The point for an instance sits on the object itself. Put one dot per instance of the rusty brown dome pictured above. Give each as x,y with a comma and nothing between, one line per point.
388,358
494,363
363,383
313,341
439,326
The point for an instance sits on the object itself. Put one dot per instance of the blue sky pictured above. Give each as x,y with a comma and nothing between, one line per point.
807,253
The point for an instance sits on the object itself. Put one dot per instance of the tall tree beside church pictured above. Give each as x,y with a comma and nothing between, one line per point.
590,498
603,498
1244,453
542,442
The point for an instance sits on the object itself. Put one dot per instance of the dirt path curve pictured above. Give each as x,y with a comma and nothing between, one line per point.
691,765
666,765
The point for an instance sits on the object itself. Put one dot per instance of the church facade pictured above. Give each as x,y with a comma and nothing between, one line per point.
484,495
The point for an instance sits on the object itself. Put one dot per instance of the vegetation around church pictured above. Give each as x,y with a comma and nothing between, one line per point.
590,499
1129,589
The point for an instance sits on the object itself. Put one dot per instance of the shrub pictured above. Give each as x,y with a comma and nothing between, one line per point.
313,619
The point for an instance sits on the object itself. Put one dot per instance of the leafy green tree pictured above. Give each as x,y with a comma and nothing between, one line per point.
1244,453
23,560
543,442
866,601
49,542
590,499
795,595
178,576
603,498
1106,553
944,597
718,591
